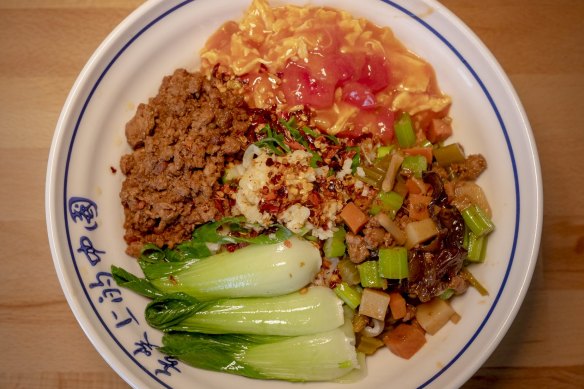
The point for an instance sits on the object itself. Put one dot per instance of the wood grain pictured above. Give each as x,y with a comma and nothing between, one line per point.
44,45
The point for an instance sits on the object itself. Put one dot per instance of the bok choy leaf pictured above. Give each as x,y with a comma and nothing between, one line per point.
323,356
253,271
316,309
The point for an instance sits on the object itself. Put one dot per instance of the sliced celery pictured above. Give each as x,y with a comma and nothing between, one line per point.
404,131
477,220
415,164
387,202
477,247
369,274
446,155
393,263
335,245
351,296
382,151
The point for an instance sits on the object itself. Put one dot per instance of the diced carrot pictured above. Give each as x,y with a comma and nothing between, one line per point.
353,217
405,340
423,151
418,206
397,305
416,186
439,130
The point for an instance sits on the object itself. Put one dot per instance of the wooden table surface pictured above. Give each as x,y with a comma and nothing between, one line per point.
43,46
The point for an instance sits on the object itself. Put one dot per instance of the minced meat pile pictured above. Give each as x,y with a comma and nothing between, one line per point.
181,141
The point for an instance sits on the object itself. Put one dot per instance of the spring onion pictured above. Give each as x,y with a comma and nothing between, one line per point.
404,131
476,219
393,263
351,296
316,309
253,271
382,151
323,356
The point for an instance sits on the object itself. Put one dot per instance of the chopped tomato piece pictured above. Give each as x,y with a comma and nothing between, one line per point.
302,87
379,123
374,73
359,95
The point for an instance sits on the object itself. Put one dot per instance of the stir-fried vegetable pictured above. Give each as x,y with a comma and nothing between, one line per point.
323,356
256,270
316,309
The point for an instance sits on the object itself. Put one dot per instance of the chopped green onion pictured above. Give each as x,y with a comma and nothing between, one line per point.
446,155
477,220
415,164
404,131
351,296
426,143
393,263
382,151
335,245
369,274
477,247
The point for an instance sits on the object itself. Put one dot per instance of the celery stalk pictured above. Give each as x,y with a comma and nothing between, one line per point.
351,296
393,263
404,131
477,220
335,246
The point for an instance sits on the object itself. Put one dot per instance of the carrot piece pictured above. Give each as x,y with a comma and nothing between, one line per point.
439,130
418,206
397,305
416,186
423,151
405,340
353,217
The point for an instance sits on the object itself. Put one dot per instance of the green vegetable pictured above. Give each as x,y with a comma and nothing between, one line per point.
386,202
300,313
351,296
348,272
369,274
446,155
404,131
335,246
415,164
477,221
477,247
382,151
447,294
393,263
256,270
323,356
139,285
209,233
273,141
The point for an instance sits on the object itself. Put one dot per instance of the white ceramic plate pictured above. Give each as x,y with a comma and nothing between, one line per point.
84,215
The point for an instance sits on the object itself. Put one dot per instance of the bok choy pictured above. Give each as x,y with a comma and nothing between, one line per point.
316,309
253,271
323,356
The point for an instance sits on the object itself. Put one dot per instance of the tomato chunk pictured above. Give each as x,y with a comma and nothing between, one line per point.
302,87
359,95
374,73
